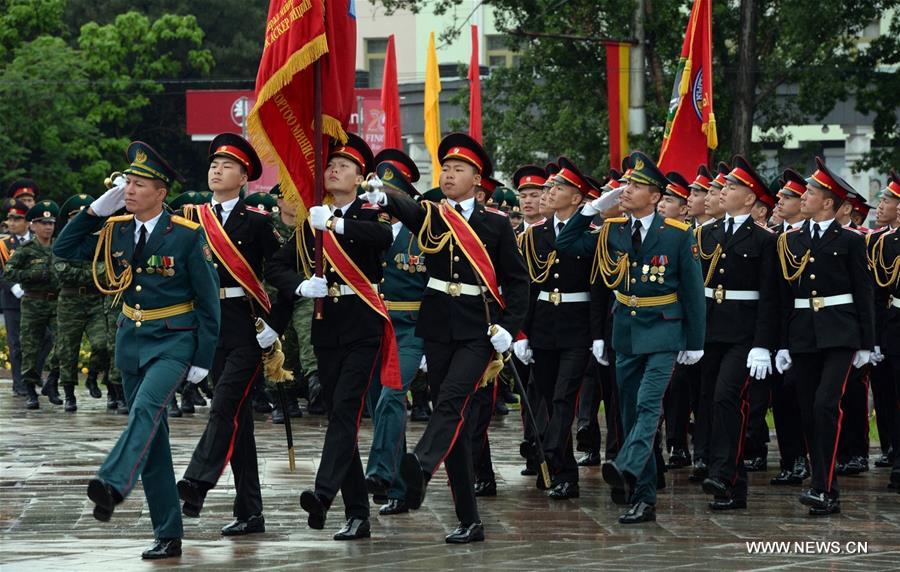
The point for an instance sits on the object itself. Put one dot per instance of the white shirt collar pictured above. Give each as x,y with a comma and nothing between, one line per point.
150,224
344,208
739,220
645,221
823,226
395,228
467,205
25,237
227,206
557,220
788,226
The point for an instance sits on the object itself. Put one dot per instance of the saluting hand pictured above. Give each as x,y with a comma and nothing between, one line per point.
112,200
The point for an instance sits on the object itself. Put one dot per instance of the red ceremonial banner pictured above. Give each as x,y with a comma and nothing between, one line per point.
618,73
691,123
390,99
475,89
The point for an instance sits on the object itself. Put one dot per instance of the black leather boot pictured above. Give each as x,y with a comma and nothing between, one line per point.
69,390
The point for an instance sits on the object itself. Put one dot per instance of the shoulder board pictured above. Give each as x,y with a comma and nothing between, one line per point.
538,223
185,222
495,211
854,230
371,206
593,226
120,218
618,219
257,210
793,229
679,224
764,227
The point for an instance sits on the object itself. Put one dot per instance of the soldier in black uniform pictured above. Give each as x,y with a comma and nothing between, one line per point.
231,228
464,320
742,325
827,323
349,337
559,330
10,293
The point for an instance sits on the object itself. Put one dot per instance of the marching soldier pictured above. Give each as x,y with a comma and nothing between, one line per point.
161,267
355,330
25,190
242,241
827,323
652,265
529,182
11,293
742,308
464,320
30,269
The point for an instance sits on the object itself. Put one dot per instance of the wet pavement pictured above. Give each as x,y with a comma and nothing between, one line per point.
47,457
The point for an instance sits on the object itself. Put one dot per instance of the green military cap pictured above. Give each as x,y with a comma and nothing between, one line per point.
186,198
206,196
401,161
496,199
434,195
646,172
262,201
276,191
76,204
512,202
395,177
43,211
148,163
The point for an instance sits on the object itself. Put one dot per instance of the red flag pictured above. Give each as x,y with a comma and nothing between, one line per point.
691,123
390,99
618,71
475,89
281,123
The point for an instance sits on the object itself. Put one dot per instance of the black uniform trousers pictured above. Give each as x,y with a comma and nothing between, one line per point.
558,374
677,406
725,368
703,392
885,396
538,407
893,369
599,386
455,370
820,378
228,437
854,438
345,373
483,404
756,439
788,422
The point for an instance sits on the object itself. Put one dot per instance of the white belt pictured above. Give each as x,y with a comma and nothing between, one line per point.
231,292
720,294
895,302
562,297
336,290
819,302
455,288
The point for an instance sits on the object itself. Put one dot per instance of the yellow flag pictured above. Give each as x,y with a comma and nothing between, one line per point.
433,110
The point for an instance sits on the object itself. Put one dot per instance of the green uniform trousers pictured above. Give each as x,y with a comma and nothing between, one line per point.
38,317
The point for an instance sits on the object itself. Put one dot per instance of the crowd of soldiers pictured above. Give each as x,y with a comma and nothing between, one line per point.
684,307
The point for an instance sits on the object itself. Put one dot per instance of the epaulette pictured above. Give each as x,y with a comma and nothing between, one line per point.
764,227
120,218
495,211
371,206
185,222
538,223
617,219
854,230
679,224
257,210
793,229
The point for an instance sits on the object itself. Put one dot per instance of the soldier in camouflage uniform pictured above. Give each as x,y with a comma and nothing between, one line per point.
79,311
30,268
114,377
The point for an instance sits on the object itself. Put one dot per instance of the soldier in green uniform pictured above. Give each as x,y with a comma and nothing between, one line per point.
161,266
652,266
112,307
30,267
79,312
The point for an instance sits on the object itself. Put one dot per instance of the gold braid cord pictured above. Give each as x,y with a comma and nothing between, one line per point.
430,243
885,275
304,262
789,262
612,271
713,256
538,269
118,283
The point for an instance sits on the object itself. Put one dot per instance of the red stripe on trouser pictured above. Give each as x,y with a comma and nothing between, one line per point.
132,477
837,432
745,419
235,422
462,417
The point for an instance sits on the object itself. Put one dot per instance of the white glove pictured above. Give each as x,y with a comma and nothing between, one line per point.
423,365
17,290
318,216
759,361
689,357
500,339
604,203
523,352
783,361
877,356
861,358
112,200
267,337
315,287
197,374
598,348
376,198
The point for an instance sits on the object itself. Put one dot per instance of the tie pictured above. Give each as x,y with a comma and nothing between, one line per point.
459,208
559,226
817,233
139,247
729,227
636,236
338,213
218,209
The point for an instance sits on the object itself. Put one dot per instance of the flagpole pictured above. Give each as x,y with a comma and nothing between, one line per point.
319,190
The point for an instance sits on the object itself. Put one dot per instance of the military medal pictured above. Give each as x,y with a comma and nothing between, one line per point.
399,261
653,277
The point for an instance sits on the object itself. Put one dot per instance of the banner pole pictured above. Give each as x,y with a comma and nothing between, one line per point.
319,191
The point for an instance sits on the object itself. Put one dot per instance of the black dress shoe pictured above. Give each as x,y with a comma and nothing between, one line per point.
254,524
104,497
785,477
173,409
393,506
755,464
801,469
564,490
621,483
112,401
581,439
419,414
678,458
819,500
486,488
590,459
716,487
466,533
294,410
19,389
193,495
528,471
886,460
278,416
699,472
163,548
501,408
641,512
380,499
32,402
856,465
187,404
726,503
414,477
355,529
376,485
315,506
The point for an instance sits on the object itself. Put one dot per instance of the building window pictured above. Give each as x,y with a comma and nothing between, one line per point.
376,49
499,54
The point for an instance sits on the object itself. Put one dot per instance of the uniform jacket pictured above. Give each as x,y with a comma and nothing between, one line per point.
405,276
31,267
887,316
7,300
